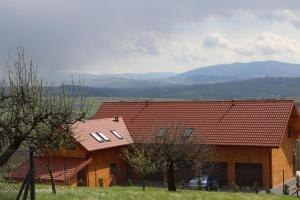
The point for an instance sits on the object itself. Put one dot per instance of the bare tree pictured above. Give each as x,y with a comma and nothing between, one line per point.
178,146
142,158
203,162
33,113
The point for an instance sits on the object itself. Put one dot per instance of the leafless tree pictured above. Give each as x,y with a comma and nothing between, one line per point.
33,113
142,158
178,146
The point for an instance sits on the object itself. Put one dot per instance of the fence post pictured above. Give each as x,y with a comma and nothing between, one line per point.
282,181
65,175
32,180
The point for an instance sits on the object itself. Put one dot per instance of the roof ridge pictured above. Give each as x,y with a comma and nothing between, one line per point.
204,101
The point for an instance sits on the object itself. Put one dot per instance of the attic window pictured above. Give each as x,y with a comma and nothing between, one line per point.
97,137
117,134
163,131
70,146
187,132
104,137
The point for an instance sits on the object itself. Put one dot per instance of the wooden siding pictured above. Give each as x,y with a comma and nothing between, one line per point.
283,159
73,181
100,168
232,155
79,152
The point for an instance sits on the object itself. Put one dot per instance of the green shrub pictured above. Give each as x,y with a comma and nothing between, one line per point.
256,187
286,189
182,183
129,182
267,190
216,186
235,187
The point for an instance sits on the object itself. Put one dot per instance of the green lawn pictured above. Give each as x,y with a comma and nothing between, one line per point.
135,193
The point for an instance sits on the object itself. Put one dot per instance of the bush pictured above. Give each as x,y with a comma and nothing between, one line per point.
256,187
286,189
182,183
216,186
129,182
235,187
80,182
267,190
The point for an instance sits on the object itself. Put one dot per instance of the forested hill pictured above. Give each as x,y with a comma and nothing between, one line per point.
247,89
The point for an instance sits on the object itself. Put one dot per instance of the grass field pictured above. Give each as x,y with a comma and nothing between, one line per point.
135,193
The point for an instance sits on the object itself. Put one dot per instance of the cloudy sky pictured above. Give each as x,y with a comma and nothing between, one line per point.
101,36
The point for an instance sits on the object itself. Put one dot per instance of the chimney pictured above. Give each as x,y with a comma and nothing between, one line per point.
233,103
116,119
146,103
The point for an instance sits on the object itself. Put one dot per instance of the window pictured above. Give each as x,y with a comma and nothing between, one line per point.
289,132
103,136
113,169
163,131
187,132
117,134
97,137
70,146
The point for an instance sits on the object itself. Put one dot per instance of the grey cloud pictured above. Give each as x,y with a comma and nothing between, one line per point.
73,35
214,40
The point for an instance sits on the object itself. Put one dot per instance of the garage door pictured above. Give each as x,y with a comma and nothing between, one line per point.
248,173
218,171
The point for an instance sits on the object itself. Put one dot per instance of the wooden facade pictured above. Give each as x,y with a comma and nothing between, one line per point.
267,162
107,167
274,162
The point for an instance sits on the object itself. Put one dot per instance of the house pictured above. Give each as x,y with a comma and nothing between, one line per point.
92,160
255,139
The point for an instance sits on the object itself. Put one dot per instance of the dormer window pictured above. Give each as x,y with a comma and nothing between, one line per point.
163,131
100,137
187,132
96,137
117,134
104,137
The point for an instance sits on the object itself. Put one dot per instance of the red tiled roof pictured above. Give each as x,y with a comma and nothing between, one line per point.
62,168
82,132
240,122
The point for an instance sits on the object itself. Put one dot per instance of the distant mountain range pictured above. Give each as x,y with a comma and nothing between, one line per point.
202,75
264,79
270,88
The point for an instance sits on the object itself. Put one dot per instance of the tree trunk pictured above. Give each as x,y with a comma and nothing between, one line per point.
144,183
171,177
5,156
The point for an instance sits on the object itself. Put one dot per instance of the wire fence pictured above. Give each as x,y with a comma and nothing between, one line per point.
16,176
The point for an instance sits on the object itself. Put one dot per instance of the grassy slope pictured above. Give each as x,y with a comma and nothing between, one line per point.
135,193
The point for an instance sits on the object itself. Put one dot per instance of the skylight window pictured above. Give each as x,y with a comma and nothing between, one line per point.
187,132
117,134
163,131
104,137
97,137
